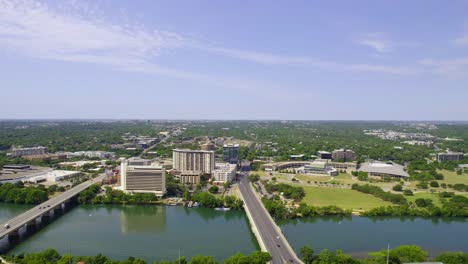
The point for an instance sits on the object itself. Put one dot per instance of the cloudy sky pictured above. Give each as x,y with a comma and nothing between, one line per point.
345,60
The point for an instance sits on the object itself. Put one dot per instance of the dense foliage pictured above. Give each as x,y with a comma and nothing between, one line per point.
378,192
451,207
51,256
278,209
18,194
288,191
208,200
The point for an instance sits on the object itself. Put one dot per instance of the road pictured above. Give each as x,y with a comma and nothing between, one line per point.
37,211
275,243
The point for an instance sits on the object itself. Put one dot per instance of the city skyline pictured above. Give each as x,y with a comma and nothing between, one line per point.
213,61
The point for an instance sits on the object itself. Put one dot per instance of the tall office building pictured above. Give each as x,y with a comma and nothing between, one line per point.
143,178
231,153
343,155
193,160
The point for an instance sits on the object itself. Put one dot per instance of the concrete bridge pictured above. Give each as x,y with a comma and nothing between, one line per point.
43,210
268,234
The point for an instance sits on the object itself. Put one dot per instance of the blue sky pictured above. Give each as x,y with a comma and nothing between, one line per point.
314,60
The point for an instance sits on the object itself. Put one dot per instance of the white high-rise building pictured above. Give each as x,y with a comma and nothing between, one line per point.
193,160
224,172
142,178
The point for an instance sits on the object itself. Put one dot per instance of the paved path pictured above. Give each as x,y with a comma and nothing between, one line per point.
270,234
39,210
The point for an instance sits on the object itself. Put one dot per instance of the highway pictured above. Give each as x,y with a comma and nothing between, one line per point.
274,241
39,210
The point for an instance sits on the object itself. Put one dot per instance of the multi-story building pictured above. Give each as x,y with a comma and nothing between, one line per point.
324,155
189,177
18,152
320,167
343,155
139,162
224,173
193,160
381,170
449,156
208,146
142,178
231,153
95,154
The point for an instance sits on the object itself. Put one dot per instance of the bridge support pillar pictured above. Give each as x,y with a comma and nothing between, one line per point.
14,234
45,216
31,223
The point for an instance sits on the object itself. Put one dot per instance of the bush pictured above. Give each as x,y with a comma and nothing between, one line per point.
254,177
422,185
434,184
378,192
398,188
408,192
213,189
421,202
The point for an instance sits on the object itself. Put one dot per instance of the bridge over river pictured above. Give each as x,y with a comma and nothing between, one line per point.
268,234
43,210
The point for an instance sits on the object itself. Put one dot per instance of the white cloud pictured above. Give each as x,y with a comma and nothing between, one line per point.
80,35
377,41
457,67
33,28
260,57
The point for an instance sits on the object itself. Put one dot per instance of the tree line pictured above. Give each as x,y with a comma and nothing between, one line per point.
51,256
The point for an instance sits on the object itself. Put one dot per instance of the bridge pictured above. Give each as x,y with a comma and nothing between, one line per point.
43,210
268,234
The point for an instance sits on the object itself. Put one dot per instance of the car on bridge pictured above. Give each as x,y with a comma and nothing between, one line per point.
6,226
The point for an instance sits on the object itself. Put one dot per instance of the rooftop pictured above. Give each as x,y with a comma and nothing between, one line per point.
384,168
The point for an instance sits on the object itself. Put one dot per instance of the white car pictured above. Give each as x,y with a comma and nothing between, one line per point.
6,226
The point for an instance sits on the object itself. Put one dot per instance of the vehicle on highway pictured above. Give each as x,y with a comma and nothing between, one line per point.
6,226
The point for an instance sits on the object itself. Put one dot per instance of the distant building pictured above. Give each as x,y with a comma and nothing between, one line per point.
224,173
139,162
208,146
320,167
231,153
16,167
343,155
60,175
19,152
45,157
449,156
297,157
189,177
141,179
324,155
95,154
380,170
193,160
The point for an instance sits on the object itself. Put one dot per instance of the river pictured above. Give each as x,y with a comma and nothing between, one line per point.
147,232
159,232
359,235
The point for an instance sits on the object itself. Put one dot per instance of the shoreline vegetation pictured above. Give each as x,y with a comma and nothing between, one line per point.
287,203
400,254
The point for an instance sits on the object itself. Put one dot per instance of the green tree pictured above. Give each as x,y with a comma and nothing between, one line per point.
307,254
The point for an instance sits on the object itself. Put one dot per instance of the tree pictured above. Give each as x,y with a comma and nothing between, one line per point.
307,254
434,184
407,253
213,189
452,258
408,192
398,188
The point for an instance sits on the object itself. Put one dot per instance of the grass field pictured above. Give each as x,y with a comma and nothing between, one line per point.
433,196
312,179
451,177
344,198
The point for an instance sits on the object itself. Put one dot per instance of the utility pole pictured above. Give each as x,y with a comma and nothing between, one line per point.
388,252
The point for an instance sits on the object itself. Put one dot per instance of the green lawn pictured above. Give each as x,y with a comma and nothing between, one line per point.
451,177
311,178
433,196
344,198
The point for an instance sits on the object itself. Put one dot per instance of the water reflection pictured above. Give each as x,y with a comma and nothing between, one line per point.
142,219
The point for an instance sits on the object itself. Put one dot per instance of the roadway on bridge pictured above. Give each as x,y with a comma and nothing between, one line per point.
274,241
39,210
